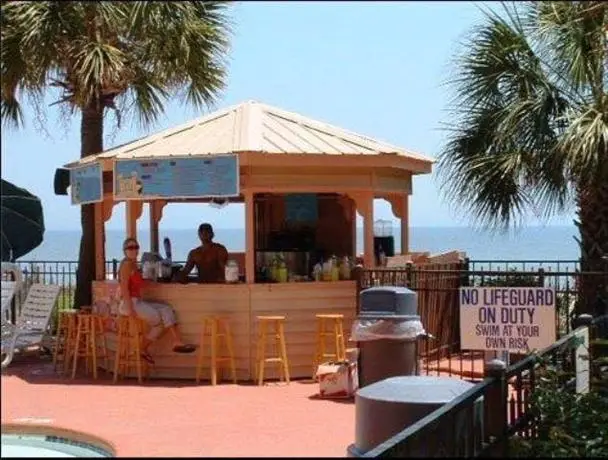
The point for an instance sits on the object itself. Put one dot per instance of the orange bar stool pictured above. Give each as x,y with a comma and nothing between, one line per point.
216,328
101,341
128,348
277,322
337,332
84,345
64,338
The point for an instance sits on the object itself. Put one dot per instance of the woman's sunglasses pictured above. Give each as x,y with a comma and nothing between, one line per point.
131,247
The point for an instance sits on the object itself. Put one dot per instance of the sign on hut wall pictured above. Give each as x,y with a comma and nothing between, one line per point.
301,207
86,184
176,177
507,318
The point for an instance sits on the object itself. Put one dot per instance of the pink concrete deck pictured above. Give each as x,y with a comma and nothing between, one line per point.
175,418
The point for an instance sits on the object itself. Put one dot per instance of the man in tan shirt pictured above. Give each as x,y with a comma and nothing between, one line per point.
209,258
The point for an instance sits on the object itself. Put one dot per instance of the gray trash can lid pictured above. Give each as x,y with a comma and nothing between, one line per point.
394,289
387,316
416,389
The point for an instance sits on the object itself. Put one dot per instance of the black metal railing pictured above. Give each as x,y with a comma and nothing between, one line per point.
438,304
529,265
455,429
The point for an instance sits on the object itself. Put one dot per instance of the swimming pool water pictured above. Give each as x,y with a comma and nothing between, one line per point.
40,445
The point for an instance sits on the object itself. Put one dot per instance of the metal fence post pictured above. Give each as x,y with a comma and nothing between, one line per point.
409,278
541,277
495,407
464,272
114,269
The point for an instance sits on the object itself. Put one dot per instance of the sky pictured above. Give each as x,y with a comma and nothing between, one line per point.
375,68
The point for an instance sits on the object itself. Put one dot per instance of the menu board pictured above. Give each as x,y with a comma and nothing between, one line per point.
86,184
301,207
176,177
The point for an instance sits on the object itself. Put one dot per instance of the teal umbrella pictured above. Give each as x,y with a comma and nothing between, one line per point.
22,221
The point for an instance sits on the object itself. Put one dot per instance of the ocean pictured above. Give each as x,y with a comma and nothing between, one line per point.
531,243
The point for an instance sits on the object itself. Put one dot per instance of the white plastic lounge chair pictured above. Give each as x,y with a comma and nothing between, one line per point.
32,324
9,288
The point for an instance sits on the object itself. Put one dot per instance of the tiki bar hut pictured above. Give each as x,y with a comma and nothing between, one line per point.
301,181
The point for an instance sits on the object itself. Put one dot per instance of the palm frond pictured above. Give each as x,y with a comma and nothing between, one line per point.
573,35
585,144
141,52
520,124
12,115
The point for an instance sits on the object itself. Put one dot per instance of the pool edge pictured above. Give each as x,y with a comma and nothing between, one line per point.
55,430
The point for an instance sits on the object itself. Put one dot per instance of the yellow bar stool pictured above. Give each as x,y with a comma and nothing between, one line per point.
277,322
215,328
84,345
101,341
66,320
129,347
337,332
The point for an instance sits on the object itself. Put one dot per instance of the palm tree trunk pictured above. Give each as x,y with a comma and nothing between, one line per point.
593,227
91,139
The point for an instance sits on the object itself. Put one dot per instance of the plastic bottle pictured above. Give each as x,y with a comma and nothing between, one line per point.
382,257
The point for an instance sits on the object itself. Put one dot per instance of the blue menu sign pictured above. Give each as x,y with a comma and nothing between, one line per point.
301,207
86,184
176,177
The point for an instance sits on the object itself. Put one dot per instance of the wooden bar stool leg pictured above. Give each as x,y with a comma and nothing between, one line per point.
214,343
59,340
101,333
76,349
119,349
71,338
323,336
230,349
93,345
317,356
201,355
138,337
342,341
337,340
277,350
284,359
261,352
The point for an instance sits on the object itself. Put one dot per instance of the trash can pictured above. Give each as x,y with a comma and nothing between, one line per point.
386,331
386,408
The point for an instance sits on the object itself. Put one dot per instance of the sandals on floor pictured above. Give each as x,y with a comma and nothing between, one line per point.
187,348
147,358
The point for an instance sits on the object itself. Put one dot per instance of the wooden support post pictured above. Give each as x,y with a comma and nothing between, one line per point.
100,256
405,226
400,206
353,211
133,212
495,407
156,214
368,228
249,237
365,205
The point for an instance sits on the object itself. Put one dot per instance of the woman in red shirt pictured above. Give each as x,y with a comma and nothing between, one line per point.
160,317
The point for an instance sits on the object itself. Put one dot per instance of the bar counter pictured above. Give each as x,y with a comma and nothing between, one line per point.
240,304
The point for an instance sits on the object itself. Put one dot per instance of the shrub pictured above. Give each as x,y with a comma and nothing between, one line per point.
568,424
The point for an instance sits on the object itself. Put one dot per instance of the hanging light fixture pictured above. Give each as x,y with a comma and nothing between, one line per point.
218,203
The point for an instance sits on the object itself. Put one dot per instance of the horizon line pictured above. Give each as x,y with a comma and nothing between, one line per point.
358,227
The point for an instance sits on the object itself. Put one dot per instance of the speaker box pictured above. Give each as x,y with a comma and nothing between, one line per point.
62,181
387,243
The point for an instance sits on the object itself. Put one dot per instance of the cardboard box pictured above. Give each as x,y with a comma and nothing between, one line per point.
338,380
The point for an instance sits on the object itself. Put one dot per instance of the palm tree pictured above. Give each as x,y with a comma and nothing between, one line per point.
530,125
125,56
